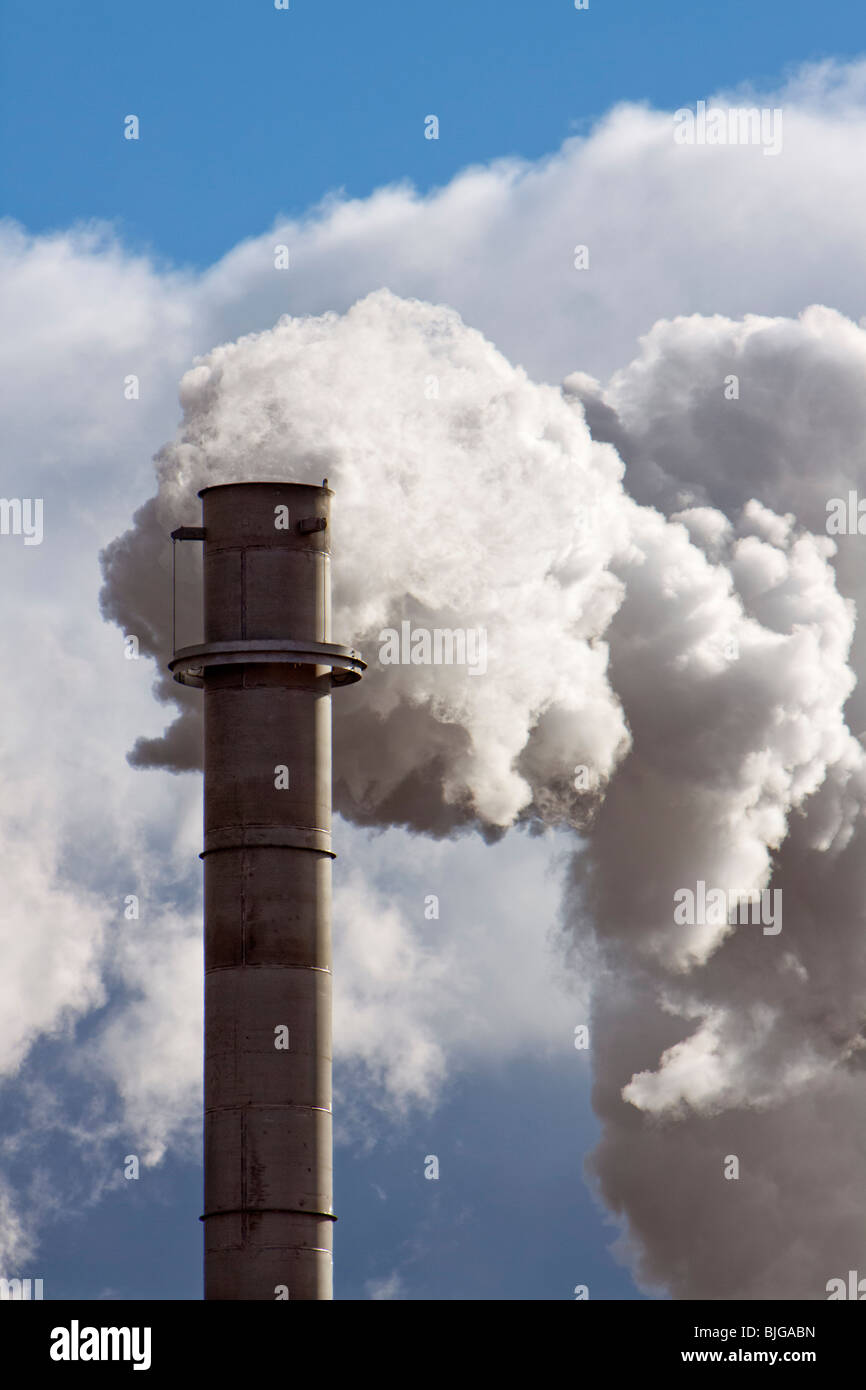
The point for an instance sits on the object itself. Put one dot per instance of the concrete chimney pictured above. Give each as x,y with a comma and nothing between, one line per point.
267,667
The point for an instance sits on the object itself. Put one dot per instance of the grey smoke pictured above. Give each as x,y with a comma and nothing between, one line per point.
774,1070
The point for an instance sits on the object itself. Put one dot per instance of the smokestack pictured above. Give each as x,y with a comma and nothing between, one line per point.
267,666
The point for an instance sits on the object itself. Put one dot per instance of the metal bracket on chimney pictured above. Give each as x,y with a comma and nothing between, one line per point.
181,533
312,523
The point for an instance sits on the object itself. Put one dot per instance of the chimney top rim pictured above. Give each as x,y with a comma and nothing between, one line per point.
265,482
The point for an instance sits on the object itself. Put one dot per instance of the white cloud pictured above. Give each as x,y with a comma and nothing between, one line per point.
419,998
389,1287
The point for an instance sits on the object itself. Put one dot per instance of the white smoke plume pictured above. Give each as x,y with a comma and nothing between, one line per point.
465,510
694,665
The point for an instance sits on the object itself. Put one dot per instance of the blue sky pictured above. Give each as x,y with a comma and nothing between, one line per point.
507,1219
248,114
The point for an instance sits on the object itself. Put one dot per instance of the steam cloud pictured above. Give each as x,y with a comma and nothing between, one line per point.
685,641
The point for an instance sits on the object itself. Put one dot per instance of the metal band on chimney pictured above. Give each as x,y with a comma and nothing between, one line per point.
267,837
